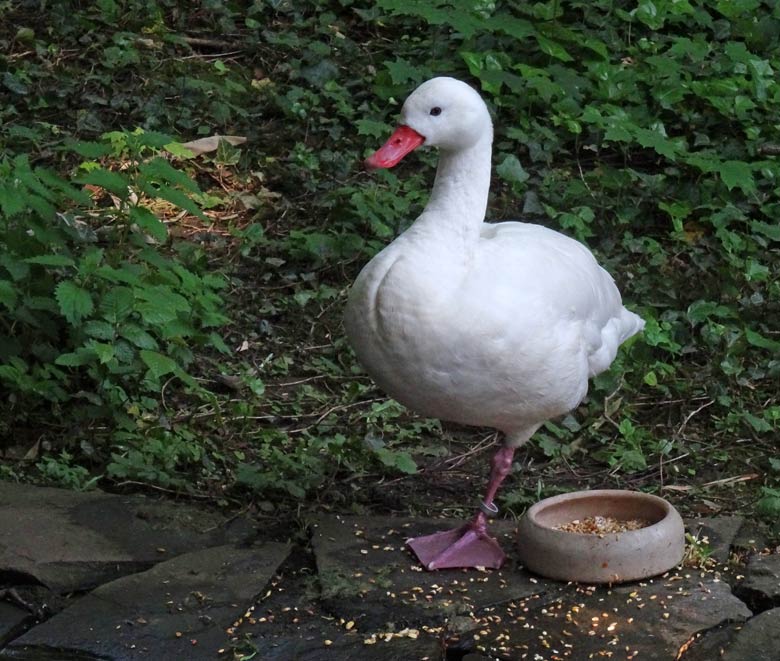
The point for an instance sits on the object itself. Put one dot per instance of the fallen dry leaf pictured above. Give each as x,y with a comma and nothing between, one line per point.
204,145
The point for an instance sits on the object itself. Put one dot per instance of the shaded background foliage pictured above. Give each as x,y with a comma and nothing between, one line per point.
647,129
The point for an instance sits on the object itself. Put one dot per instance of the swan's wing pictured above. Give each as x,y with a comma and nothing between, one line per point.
556,284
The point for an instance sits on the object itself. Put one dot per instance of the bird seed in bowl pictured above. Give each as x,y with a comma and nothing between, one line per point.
601,525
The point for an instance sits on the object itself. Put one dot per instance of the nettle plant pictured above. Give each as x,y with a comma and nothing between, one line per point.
97,313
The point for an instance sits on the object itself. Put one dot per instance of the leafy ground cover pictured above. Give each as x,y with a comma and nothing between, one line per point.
170,315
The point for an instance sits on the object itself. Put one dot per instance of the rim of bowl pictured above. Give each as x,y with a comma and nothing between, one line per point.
534,510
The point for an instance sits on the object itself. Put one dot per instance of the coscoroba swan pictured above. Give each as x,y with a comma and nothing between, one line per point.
497,325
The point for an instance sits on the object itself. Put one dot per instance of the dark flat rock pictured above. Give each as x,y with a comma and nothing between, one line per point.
367,574
46,654
751,537
71,541
12,621
758,640
180,609
289,622
761,587
720,531
351,647
710,645
650,620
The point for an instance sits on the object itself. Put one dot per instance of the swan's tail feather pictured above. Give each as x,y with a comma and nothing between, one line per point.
617,331
630,324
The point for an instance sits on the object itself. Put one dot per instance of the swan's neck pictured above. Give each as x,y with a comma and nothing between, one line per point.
460,192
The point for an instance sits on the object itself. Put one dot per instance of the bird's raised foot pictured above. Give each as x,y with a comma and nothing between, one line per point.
467,546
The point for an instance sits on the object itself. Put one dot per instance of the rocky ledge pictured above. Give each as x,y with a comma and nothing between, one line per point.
87,576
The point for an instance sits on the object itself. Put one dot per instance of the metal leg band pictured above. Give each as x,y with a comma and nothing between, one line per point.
490,510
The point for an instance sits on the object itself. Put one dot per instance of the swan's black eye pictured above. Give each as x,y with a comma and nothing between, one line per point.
436,111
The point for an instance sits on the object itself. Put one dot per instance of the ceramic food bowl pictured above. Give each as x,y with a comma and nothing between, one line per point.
607,557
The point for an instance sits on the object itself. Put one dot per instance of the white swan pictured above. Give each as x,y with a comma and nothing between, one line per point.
496,325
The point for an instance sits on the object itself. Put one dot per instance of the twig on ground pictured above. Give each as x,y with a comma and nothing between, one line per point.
212,43
333,409
213,56
731,480
458,460
688,417
769,150
146,485
450,463
607,400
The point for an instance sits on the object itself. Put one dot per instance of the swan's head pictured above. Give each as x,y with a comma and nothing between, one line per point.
442,112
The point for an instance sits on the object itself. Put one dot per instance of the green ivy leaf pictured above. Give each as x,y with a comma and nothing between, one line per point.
7,294
553,48
737,174
647,13
736,8
769,230
13,84
701,310
402,71
371,128
405,463
510,169
758,340
74,301
758,424
400,460
657,141
515,27
769,504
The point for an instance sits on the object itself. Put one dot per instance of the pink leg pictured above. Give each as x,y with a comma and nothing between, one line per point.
470,545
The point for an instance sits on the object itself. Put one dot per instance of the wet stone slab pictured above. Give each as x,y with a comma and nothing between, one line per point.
367,574
71,541
335,646
12,621
651,620
758,640
751,538
289,622
180,609
760,588
711,645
